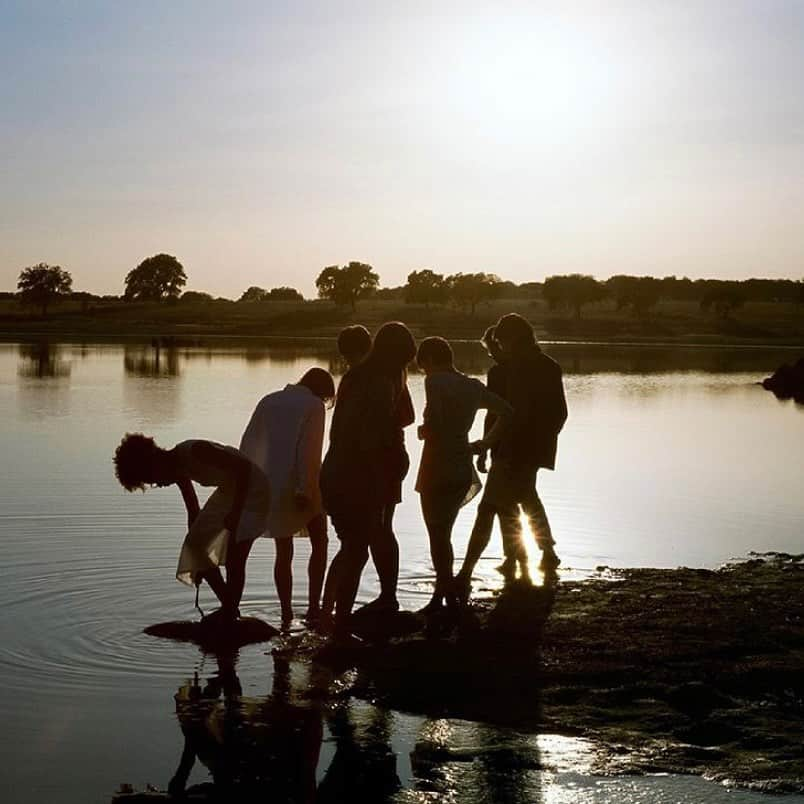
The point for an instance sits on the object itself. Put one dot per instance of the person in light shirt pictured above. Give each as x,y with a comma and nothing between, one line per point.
284,438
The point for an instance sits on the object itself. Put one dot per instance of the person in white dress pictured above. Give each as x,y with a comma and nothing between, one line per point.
222,532
284,438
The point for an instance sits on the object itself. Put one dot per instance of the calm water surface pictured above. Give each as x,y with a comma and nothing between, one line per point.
671,456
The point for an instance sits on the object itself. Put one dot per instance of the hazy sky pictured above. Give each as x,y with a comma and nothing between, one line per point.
261,141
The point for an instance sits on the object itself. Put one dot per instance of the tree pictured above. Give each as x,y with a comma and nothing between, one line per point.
640,293
348,284
724,300
43,284
572,291
196,296
253,294
469,290
426,287
284,294
159,277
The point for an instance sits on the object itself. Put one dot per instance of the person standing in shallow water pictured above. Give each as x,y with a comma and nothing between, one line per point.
354,344
362,471
447,479
223,531
285,437
535,389
510,528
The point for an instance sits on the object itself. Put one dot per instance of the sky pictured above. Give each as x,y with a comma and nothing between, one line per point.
261,141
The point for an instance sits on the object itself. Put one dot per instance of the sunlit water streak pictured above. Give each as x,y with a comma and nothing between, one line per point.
674,467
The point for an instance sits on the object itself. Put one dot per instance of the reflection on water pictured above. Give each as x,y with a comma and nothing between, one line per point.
151,361
42,360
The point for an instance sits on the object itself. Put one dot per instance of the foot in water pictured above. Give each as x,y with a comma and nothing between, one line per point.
380,605
435,605
550,562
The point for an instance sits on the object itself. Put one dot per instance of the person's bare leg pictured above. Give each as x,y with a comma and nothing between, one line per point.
317,565
384,549
283,577
236,573
215,580
478,541
331,585
354,557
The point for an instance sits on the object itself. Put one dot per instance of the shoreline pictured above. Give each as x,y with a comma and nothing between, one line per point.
205,339
689,671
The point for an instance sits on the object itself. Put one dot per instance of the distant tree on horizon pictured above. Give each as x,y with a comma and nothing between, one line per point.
43,284
196,296
347,284
572,291
426,287
253,294
155,278
284,294
469,290
723,299
640,293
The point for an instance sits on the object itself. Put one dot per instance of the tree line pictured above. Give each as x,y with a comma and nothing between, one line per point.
161,278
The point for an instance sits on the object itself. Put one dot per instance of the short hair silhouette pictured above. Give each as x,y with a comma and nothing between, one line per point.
513,327
133,459
320,382
354,343
436,351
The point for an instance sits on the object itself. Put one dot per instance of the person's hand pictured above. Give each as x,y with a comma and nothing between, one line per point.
477,447
231,521
302,501
421,432
481,462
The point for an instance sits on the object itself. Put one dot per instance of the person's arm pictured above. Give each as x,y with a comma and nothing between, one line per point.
425,429
406,414
190,499
234,465
502,412
308,456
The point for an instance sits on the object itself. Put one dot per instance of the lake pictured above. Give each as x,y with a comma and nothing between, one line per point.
671,456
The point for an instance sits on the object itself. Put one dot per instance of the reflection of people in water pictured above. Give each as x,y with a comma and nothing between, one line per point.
255,749
447,479
284,438
354,344
536,392
513,550
222,532
362,472
363,768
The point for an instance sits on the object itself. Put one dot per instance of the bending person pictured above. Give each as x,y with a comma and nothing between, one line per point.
536,392
447,479
284,438
222,532
362,471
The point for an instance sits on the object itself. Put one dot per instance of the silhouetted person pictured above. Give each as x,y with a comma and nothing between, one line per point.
447,479
222,532
362,472
510,527
285,438
536,392
354,344
257,750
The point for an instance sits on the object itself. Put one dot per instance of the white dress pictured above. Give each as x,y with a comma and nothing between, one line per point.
205,544
284,438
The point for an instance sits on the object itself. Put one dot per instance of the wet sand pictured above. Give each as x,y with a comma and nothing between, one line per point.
679,671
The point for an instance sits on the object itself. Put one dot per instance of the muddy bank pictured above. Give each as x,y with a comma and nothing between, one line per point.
686,671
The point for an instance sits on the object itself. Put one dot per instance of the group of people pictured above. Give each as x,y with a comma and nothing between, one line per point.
276,485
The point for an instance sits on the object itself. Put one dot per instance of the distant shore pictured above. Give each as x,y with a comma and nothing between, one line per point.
190,323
